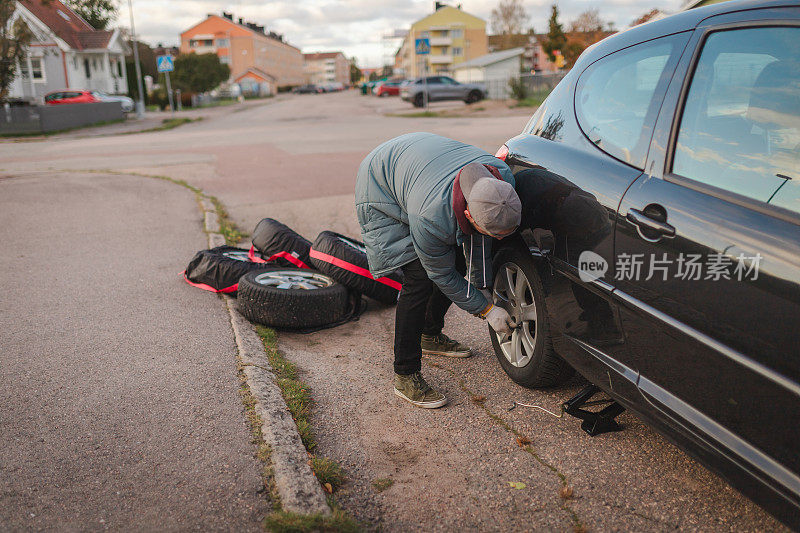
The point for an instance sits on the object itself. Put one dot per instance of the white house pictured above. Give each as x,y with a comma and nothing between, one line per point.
66,52
493,70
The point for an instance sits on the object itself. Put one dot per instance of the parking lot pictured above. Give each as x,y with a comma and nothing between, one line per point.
472,465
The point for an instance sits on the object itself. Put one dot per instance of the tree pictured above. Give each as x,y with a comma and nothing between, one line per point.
587,22
199,73
355,72
647,17
509,18
98,13
556,39
14,40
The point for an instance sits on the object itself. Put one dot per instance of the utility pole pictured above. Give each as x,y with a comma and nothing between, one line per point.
140,102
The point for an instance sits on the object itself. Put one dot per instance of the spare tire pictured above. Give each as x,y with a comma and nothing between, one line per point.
292,298
272,237
345,260
219,269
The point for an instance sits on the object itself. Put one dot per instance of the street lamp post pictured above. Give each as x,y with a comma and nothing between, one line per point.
140,102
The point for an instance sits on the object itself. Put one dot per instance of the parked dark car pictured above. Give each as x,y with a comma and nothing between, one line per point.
307,89
440,88
659,254
70,96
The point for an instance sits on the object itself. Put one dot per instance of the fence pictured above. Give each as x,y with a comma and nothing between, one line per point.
498,89
43,119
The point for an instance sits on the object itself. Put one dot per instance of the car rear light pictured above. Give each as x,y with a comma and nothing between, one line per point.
502,153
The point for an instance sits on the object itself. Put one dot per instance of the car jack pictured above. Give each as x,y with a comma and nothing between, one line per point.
594,423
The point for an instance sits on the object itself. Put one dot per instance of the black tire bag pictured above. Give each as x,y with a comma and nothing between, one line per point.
345,260
219,269
272,237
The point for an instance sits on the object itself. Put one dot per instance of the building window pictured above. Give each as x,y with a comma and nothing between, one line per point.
458,51
87,69
425,35
457,34
223,43
37,69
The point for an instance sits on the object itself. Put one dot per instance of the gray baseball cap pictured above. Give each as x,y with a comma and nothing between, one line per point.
493,203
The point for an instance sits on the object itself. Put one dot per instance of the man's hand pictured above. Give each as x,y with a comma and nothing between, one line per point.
500,320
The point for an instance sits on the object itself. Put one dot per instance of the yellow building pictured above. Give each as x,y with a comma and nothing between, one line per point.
454,35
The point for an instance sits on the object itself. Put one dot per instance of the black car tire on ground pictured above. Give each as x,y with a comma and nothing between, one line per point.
220,268
474,96
292,298
353,252
271,237
419,100
545,368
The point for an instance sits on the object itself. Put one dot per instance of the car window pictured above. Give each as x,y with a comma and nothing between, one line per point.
448,81
740,127
617,97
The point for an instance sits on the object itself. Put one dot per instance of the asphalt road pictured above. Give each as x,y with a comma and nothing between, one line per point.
118,407
295,159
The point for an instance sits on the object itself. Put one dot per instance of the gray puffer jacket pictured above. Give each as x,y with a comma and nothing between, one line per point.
404,203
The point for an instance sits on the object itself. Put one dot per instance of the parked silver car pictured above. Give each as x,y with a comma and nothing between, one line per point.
126,102
440,88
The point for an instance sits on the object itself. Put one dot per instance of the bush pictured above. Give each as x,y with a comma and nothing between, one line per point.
519,90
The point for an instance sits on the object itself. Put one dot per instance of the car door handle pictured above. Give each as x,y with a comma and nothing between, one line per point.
641,220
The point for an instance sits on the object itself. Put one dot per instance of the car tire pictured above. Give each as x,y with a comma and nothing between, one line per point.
527,357
419,100
474,96
271,237
220,268
292,298
352,269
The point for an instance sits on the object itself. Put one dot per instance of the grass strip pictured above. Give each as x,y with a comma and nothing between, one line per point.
328,472
534,100
166,124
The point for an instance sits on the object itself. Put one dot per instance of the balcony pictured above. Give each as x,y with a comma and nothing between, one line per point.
441,41
441,59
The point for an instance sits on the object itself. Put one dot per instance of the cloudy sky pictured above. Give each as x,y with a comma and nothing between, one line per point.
356,27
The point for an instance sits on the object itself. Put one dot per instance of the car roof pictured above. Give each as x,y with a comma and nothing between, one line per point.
683,21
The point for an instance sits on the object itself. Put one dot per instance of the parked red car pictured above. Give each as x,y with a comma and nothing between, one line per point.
70,97
388,88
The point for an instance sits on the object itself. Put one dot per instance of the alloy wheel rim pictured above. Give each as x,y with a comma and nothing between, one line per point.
512,292
289,279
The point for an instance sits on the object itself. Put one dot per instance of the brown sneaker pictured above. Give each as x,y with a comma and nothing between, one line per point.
415,390
443,345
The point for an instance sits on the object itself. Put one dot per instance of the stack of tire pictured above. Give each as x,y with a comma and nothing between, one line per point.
287,282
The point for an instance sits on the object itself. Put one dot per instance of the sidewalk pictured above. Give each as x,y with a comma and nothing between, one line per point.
119,406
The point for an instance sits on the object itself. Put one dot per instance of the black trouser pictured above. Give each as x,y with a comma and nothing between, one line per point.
420,310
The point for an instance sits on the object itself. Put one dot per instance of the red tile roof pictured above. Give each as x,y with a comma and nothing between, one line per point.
67,24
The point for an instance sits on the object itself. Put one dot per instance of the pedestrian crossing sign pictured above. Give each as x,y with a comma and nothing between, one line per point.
165,63
422,46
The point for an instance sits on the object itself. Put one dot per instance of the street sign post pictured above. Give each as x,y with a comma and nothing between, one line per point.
166,64
422,47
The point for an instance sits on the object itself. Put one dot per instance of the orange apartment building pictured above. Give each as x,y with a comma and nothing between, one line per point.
253,54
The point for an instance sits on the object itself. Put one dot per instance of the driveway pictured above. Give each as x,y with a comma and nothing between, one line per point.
295,159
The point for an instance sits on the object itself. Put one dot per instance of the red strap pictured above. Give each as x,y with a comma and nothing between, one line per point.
353,268
289,257
232,288
252,256
280,255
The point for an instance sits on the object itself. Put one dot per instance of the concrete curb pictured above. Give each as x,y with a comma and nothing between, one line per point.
298,487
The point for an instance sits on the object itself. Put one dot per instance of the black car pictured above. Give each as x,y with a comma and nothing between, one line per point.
659,254
307,89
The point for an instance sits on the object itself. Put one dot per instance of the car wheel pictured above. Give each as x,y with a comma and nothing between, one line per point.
474,96
292,298
419,100
527,354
